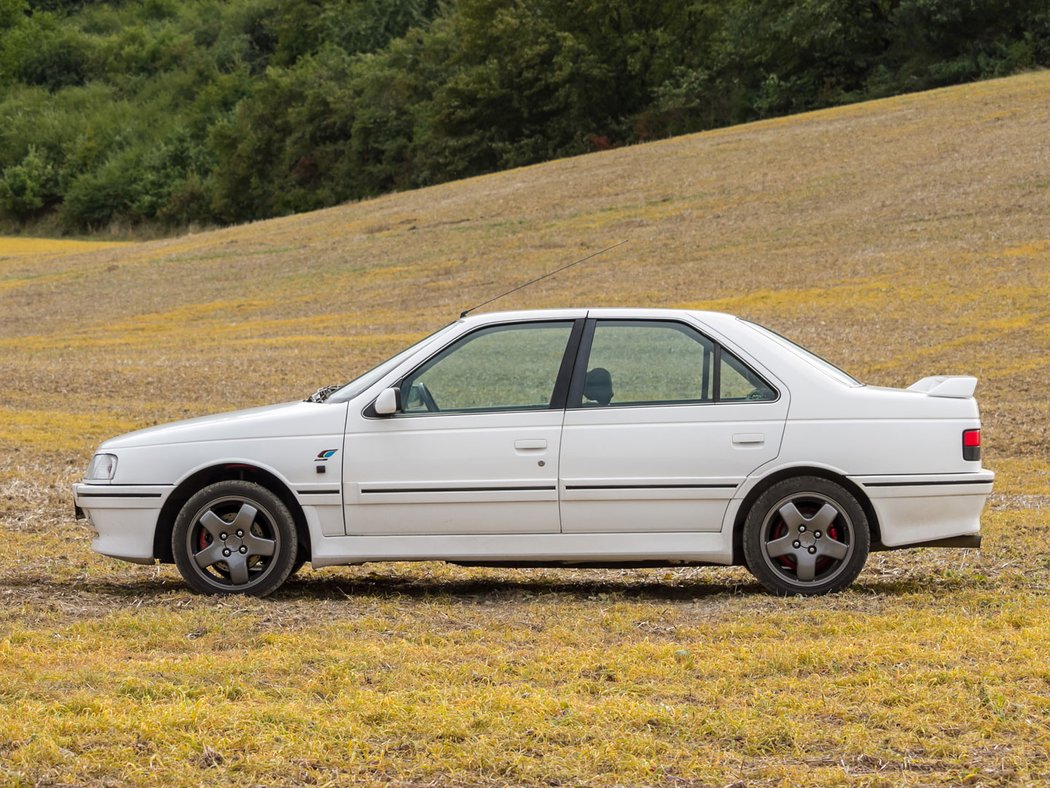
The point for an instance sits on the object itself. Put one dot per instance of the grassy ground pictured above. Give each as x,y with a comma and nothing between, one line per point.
899,238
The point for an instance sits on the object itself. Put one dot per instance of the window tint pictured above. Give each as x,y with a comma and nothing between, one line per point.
498,368
664,362
637,362
738,383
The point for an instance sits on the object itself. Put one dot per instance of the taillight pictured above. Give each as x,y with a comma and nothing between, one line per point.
971,444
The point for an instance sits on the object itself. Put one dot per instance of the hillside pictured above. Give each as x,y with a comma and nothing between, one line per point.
898,238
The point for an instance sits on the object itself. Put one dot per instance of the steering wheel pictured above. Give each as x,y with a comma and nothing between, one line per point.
419,389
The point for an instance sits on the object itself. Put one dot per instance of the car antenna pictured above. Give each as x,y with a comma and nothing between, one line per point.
466,312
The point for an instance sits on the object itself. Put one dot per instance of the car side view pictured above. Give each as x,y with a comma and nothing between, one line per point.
576,437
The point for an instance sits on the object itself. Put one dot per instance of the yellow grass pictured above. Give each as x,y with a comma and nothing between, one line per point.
42,247
900,238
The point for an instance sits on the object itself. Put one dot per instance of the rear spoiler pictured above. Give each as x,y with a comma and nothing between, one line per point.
954,386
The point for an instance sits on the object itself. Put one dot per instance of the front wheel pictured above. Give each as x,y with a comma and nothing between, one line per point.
806,535
235,537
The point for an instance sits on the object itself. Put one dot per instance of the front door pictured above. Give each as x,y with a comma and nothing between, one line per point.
662,426
474,448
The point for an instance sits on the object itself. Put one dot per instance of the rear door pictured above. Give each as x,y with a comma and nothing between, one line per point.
663,424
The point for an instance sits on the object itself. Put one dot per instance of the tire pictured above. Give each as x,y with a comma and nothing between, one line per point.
300,560
235,537
806,535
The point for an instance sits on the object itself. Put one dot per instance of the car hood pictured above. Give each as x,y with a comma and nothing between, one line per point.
288,419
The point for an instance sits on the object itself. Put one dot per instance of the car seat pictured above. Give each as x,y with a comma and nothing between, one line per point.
597,386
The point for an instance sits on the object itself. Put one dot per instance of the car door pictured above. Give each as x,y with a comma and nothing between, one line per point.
662,425
474,446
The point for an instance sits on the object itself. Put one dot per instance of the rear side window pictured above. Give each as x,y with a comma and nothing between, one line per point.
637,363
737,382
649,362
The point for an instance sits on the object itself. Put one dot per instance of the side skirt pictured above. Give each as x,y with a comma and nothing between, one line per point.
581,564
529,549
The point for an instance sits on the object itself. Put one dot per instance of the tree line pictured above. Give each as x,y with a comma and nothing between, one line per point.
178,112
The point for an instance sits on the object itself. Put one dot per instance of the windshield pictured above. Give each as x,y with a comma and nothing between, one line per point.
823,365
362,382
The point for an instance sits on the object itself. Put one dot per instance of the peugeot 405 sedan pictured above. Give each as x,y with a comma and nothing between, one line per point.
577,437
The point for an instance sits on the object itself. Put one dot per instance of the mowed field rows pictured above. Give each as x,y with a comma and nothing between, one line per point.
898,238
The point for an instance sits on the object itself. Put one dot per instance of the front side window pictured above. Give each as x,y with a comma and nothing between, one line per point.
634,362
513,367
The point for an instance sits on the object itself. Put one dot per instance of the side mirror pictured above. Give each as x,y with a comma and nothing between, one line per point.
388,403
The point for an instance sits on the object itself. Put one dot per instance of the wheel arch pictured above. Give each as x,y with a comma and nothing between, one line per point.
221,472
787,473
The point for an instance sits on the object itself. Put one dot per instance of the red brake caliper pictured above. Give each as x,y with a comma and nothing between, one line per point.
822,563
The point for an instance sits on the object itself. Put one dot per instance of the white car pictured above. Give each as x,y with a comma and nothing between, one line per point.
577,437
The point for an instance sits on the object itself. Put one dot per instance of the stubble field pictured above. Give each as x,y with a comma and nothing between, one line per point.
898,238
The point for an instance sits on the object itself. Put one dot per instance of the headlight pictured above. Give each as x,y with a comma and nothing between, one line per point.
102,468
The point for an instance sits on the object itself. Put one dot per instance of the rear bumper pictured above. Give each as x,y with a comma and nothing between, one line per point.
124,518
973,541
935,510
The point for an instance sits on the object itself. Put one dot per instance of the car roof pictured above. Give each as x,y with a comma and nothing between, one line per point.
623,313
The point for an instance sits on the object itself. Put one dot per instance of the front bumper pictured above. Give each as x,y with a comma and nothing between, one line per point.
124,517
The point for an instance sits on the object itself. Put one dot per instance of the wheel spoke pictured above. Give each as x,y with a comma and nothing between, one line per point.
209,555
807,566
824,518
782,546
791,516
238,569
214,525
832,548
259,546
244,519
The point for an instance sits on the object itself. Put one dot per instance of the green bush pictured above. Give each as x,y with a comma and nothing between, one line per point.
45,53
229,110
29,187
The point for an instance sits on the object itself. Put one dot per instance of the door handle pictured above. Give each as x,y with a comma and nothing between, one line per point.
749,439
530,444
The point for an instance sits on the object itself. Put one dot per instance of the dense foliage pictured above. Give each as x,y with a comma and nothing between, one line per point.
202,111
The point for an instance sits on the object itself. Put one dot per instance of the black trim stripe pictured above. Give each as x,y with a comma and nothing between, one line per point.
550,488
318,492
650,487
925,484
130,484
119,495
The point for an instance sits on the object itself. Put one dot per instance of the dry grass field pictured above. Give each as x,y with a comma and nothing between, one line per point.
898,238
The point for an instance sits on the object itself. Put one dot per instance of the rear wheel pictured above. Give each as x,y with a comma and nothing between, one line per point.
806,535
235,537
